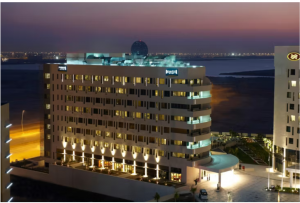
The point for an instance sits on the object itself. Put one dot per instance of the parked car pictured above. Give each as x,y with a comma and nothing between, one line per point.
203,194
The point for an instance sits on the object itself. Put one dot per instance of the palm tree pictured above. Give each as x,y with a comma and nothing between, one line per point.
157,197
176,195
193,190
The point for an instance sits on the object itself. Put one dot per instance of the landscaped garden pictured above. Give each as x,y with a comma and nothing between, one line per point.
244,158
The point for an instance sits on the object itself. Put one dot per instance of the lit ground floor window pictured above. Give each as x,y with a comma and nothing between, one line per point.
176,177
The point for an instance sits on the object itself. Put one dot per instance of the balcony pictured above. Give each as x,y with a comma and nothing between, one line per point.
200,144
198,121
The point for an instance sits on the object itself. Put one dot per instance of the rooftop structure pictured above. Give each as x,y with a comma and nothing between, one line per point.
139,48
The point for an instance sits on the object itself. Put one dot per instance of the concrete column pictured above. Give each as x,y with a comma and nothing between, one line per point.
291,179
273,159
200,175
220,179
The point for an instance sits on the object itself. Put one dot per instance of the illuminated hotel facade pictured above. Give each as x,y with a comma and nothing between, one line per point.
286,111
150,117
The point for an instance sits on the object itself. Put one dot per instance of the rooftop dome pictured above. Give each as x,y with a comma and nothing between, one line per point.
139,48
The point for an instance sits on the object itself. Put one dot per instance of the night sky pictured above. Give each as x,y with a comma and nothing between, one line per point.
165,27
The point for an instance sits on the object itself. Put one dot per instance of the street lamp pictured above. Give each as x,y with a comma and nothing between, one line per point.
22,119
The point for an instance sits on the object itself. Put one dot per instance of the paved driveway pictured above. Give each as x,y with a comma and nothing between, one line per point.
246,188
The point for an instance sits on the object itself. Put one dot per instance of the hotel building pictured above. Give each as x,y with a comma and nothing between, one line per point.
147,116
5,154
286,111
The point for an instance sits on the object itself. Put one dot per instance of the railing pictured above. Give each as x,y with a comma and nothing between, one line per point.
202,109
198,133
199,145
198,121
199,97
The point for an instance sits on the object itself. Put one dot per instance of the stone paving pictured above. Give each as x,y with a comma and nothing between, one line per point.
244,188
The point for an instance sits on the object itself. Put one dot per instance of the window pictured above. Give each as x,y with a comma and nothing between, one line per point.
143,127
292,106
288,129
151,139
163,141
291,141
161,117
128,137
108,89
47,75
105,112
106,79
131,91
78,77
293,72
88,131
289,95
80,120
107,134
147,115
293,117
48,86
129,102
48,137
86,110
69,129
110,123
47,106
80,88
48,126
69,87
87,77
138,115
138,149
118,102
178,94
164,105
162,81
117,79
131,125
152,105
106,145
179,118
119,135
138,80
177,142
98,89
294,83
140,138
98,132
143,92
120,90
90,121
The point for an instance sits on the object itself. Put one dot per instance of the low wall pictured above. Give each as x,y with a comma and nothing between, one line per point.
128,189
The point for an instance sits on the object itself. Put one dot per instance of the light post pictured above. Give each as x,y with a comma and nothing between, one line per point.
22,120
282,173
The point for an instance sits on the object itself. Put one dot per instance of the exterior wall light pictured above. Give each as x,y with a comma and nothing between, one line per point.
8,141
9,125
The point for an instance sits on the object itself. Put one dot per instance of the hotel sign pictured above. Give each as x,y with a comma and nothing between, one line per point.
293,56
62,68
171,72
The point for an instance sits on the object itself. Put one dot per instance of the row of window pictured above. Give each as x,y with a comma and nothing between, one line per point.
124,79
135,103
127,126
130,91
